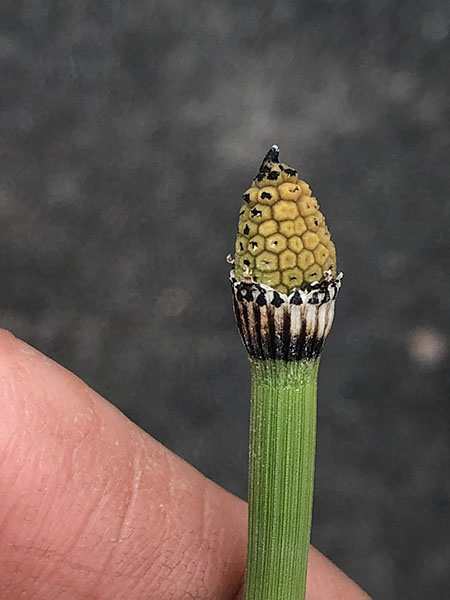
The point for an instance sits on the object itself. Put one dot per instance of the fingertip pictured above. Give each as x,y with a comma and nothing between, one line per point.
83,482
326,580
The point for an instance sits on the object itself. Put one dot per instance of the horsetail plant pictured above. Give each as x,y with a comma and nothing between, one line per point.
284,285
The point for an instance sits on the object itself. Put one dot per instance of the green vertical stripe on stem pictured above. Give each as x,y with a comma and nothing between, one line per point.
281,477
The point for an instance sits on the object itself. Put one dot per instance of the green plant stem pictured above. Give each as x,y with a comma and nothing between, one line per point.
281,477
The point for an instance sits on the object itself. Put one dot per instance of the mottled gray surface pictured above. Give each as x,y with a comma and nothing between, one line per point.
129,131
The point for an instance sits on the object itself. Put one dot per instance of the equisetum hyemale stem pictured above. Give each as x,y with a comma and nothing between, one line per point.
284,285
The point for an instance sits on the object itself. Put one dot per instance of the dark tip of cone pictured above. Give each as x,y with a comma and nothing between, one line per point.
272,155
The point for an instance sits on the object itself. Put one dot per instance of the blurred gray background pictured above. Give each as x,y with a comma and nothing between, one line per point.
129,131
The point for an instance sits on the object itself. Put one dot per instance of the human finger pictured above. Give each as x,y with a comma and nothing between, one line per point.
93,507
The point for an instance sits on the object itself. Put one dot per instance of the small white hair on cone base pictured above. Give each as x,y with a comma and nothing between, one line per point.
308,295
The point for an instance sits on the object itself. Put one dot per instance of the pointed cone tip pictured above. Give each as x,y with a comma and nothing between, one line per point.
273,154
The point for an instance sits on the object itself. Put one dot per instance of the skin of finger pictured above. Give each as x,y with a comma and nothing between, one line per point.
92,507
325,581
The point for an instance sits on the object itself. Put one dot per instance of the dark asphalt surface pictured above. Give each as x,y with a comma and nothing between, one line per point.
129,131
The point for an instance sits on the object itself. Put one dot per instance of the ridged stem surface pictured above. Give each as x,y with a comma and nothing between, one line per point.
281,478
